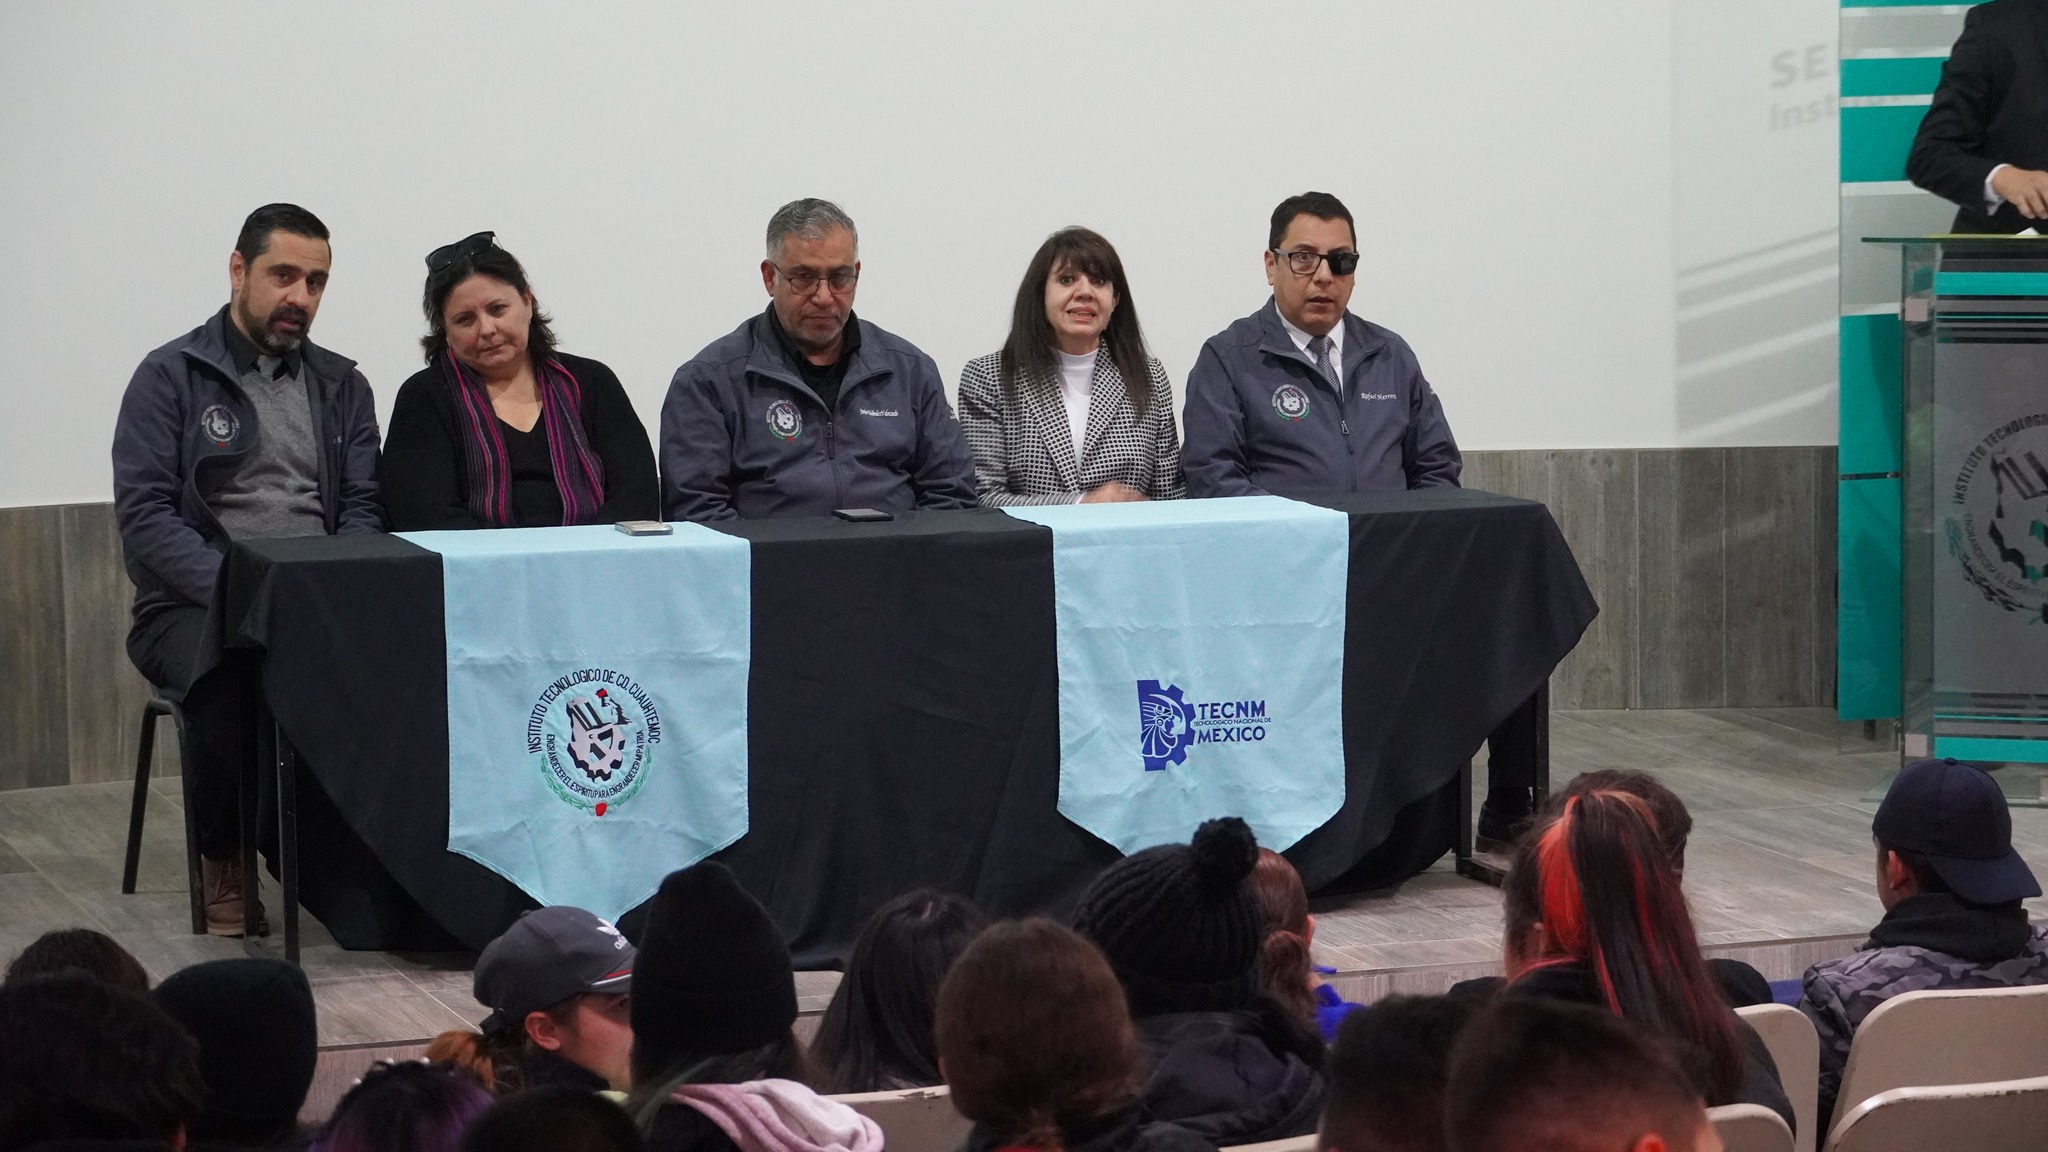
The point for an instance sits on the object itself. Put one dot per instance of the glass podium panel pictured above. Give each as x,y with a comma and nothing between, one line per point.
1974,516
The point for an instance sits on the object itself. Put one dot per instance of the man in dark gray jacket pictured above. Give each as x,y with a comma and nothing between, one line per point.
239,429
1302,396
807,408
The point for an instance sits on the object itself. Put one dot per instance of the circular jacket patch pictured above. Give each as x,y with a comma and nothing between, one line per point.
1290,402
784,420
220,425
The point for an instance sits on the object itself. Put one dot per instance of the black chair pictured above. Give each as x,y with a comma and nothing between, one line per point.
163,703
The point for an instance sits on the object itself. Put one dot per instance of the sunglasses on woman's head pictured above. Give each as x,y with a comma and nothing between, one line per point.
447,254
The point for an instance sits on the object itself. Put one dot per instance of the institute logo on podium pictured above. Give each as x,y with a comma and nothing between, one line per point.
594,731
1168,725
1997,528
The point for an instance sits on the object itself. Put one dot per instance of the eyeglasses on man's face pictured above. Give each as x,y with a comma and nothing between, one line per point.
1304,263
805,281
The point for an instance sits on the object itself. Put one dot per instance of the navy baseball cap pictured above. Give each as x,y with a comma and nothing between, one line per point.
547,956
1955,815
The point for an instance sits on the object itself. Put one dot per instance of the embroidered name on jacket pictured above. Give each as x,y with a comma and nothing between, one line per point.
1377,396
880,412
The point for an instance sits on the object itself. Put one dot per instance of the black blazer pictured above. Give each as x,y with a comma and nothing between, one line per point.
1990,108
424,477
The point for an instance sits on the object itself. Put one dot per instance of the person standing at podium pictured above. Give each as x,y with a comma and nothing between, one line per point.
1304,397
1983,144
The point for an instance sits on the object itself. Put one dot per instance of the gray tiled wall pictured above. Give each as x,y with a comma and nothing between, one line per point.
1714,568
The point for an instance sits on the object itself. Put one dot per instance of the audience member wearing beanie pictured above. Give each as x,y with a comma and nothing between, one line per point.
715,1065
405,1106
1180,930
876,1035
85,1061
556,1118
90,952
258,1041
1039,1049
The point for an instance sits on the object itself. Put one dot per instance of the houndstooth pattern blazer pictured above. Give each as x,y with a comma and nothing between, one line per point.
1024,450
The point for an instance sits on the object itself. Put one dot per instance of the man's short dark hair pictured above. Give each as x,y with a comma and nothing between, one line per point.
83,950
1539,1075
1387,1073
83,1060
255,238
553,1119
1320,205
1925,878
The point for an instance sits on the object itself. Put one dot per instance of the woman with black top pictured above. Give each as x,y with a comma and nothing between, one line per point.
500,430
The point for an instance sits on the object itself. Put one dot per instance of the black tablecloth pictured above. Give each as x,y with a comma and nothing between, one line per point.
903,711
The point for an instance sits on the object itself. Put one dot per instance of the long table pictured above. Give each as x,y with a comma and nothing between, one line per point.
903,712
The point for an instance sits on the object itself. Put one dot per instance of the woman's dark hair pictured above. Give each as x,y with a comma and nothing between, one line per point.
553,1119
83,950
83,1060
482,258
781,1059
414,1106
1674,822
877,1032
1036,1035
1029,352
1285,970
1596,879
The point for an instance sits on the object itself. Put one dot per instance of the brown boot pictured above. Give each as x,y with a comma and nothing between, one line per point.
221,886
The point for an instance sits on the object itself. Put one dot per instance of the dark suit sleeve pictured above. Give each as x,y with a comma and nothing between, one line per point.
1214,457
422,465
942,472
1429,454
1948,152
149,483
632,491
696,448
361,510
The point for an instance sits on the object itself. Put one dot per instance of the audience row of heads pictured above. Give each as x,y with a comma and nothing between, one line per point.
1179,990
483,314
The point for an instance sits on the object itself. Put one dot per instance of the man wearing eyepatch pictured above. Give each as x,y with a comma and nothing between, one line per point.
806,408
1302,396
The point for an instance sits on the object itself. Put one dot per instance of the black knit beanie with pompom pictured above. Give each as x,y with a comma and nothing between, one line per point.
1177,922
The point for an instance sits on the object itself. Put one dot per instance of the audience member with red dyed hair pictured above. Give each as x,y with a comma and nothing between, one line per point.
1741,983
1540,1076
1287,974
1039,1050
1594,915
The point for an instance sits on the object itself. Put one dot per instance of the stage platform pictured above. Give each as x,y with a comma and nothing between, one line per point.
1779,873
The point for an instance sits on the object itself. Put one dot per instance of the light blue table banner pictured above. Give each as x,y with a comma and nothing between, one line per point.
597,704
1201,664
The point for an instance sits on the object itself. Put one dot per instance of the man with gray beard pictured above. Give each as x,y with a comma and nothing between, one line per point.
240,429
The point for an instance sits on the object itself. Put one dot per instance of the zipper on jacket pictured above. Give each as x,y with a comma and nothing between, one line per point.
1344,425
830,444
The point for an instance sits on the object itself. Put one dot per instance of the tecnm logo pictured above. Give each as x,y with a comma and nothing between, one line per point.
1169,724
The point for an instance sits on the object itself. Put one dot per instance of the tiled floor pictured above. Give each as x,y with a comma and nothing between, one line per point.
1780,851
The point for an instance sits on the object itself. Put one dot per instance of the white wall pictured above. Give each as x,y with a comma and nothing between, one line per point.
1511,166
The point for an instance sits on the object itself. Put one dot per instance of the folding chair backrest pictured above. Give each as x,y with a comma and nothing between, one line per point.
2002,1116
1750,1128
913,1119
1947,1036
1795,1048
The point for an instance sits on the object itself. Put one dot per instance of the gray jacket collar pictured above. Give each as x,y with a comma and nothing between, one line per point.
764,358
1361,340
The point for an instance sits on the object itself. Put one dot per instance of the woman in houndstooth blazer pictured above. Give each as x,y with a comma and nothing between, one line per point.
1072,410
